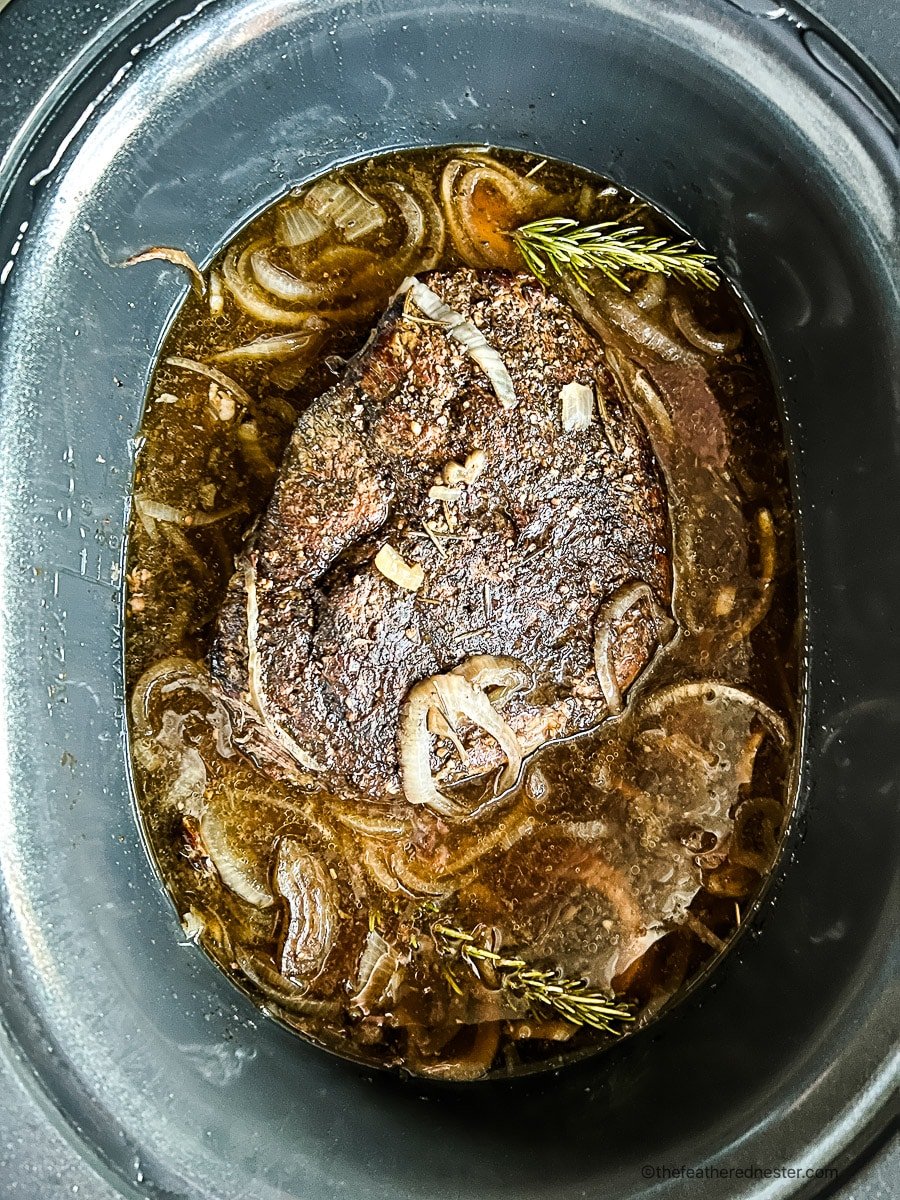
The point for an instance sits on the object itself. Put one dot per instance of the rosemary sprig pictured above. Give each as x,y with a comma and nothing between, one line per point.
562,246
547,990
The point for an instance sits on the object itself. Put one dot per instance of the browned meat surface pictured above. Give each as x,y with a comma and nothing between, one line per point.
528,553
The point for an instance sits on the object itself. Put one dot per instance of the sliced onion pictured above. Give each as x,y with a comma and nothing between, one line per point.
394,567
348,208
291,372
651,400
453,696
688,325
467,1065
701,689
169,674
236,271
296,225
377,969
502,675
460,178
324,195
213,373
703,932
233,867
418,883
281,283
425,228
359,217
374,860
374,824
609,304
169,254
186,791
416,221
651,293
577,406
216,293
312,899
609,615
768,557
768,814
254,678
278,346
469,337
273,985
157,511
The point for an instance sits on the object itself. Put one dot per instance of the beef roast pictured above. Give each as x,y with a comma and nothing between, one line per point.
527,576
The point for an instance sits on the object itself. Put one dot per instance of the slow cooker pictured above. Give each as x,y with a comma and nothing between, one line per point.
173,122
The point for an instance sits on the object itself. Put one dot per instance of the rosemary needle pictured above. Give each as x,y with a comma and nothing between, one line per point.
561,246
569,998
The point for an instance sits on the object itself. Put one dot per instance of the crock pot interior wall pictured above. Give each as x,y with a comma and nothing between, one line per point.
151,1057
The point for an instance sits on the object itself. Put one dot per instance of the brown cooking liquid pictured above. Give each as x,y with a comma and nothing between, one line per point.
626,858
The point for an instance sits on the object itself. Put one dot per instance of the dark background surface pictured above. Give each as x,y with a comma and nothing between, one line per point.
36,1163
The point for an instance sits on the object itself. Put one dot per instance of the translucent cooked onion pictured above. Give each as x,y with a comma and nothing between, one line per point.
377,970
374,824
281,283
169,674
454,697
465,1065
348,208
611,612
216,293
469,337
276,347
234,868
296,225
156,510
186,791
577,400
689,327
359,217
236,271
425,229
497,674
393,566
169,254
714,691
289,373
272,984
649,400
609,305
479,246
254,677
311,894
374,860
213,373
418,879
768,558
375,946
731,880
703,932
324,195
651,293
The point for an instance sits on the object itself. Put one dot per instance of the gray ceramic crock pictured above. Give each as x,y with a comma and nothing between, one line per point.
750,128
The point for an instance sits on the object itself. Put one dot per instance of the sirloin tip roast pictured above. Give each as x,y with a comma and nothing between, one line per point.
467,554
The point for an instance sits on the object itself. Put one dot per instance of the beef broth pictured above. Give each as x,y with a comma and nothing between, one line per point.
462,640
